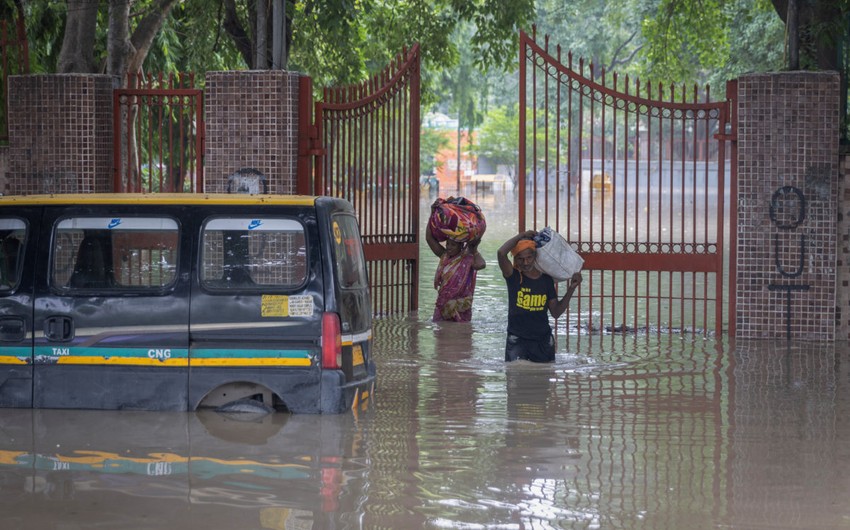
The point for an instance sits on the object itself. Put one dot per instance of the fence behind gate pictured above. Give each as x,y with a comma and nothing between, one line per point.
368,139
634,176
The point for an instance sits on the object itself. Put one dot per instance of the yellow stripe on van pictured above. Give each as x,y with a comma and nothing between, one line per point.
128,361
9,359
266,361
156,198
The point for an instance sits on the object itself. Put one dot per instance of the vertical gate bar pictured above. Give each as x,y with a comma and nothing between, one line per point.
579,146
661,194
638,236
646,233
558,150
728,116
116,141
382,209
591,155
156,124
521,161
682,208
557,225
601,214
406,179
545,140
582,235
394,215
572,192
319,161
694,214
183,148
381,160
372,162
533,146
671,154
706,186
415,147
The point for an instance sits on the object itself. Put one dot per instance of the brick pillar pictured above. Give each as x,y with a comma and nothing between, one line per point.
251,122
788,173
60,133
843,273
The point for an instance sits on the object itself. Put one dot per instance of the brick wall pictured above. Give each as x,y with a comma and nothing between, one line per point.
251,122
60,134
787,202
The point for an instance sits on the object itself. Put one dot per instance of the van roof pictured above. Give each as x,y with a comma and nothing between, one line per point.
155,198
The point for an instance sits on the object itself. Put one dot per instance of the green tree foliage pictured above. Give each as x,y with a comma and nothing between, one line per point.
498,138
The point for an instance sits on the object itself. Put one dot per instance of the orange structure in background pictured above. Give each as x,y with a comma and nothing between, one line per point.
447,170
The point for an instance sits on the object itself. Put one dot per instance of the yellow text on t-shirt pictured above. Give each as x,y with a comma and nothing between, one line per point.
530,302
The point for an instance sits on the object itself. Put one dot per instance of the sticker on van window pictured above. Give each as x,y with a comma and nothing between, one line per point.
274,305
337,233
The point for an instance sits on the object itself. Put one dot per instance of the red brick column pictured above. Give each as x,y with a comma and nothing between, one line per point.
788,176
60,133
843,271
251,122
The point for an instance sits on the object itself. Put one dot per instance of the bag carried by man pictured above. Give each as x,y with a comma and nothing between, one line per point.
555,256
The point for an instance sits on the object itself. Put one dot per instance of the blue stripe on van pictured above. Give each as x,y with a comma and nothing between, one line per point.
176,357
15,354
134,356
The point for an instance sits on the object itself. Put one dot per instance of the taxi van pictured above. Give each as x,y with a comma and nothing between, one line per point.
183,301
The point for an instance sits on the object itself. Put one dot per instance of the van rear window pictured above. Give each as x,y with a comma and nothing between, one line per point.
348,253
114,253
13,235
247,252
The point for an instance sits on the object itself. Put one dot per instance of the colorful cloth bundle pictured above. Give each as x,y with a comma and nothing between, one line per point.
458,219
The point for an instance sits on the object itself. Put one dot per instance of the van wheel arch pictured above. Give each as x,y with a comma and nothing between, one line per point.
241,393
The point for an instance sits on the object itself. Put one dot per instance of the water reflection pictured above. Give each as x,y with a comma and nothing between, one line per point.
662,433
622,431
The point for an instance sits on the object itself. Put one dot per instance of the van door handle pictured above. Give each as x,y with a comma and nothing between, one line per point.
12,329
60,329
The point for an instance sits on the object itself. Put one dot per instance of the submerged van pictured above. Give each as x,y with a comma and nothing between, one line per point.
183,301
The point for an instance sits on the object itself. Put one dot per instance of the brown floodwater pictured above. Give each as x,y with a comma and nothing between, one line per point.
670,431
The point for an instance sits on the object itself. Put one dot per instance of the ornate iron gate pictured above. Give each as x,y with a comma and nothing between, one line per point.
636,183
367,136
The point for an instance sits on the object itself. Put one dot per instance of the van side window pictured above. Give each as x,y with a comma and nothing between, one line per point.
114,253
350,262
251,253
13,234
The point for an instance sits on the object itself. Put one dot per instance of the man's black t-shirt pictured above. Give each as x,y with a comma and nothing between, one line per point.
528,303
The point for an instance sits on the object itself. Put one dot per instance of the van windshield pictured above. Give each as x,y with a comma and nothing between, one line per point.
250,252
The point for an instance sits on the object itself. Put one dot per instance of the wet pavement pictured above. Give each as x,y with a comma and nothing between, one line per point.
622,431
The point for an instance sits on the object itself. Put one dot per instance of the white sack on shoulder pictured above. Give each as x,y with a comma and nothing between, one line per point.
557,258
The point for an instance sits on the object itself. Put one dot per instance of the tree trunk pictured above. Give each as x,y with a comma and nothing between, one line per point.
262,44
118,39
77,52
145,32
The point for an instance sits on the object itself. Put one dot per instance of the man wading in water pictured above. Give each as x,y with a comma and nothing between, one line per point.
530,293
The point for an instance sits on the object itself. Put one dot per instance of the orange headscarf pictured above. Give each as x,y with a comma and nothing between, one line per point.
523,244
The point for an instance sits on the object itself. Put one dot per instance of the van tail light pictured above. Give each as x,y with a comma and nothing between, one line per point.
331,342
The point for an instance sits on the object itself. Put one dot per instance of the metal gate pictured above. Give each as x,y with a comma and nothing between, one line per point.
159,135
368,139
635,177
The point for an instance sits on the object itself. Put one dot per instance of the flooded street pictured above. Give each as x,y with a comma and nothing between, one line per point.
668,431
